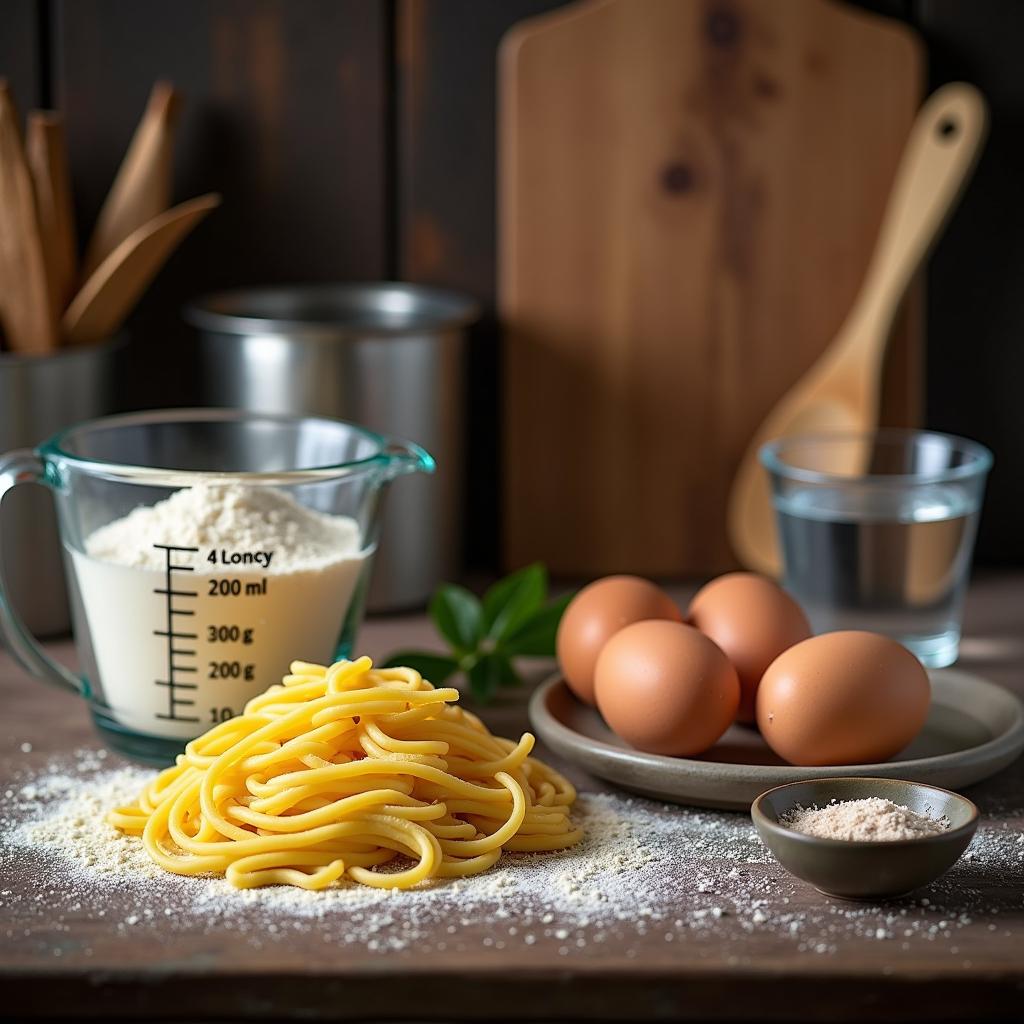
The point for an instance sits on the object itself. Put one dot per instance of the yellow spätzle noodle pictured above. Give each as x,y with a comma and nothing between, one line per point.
350,772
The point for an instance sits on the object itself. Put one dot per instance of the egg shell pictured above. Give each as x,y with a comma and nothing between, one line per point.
753,620
666,688
849,697
595,615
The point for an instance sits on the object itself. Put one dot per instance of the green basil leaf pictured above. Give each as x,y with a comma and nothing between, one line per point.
458,616
536,637
485,678
511,601
435,668
507,674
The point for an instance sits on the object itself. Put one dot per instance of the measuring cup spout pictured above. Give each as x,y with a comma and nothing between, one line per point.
405,457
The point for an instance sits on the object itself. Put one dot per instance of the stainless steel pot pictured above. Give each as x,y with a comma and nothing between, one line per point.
40,395
389,356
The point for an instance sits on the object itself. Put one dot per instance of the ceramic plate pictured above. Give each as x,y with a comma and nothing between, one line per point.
974,730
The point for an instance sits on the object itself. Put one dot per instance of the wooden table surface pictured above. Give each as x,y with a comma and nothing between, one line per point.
67,964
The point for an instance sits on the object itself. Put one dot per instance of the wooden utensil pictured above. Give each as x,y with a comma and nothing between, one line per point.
46,152
841,390
109,294
688,197
26,306
142,188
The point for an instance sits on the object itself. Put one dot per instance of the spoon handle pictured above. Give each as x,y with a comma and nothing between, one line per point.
46,152
142,188
936,165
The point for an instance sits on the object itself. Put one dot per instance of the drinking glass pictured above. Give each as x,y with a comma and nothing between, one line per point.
877,531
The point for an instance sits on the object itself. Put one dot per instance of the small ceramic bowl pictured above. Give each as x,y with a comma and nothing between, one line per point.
865,870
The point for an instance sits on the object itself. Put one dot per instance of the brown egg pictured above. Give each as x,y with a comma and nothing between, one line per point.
666,688
842,698
753,620
595,615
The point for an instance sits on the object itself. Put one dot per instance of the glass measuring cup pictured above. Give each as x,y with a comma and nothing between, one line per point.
178,623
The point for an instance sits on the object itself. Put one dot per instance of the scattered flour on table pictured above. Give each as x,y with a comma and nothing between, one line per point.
213,514
646,874
621,859
870,820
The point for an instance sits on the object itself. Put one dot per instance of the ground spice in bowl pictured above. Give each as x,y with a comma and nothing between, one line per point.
865,838
869,820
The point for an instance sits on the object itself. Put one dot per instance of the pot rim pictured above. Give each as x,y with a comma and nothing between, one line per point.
403,309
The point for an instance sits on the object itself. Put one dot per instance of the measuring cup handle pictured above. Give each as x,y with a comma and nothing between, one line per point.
22,467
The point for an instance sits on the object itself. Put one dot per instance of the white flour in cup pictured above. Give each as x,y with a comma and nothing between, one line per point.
269,581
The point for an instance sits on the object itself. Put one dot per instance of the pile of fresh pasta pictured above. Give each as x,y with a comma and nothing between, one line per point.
374,775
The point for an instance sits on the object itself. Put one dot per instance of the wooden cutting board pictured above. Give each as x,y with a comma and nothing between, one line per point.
689,191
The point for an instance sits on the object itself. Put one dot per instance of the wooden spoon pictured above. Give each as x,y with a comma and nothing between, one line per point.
142,188
112,290
841,390
26,307
46,151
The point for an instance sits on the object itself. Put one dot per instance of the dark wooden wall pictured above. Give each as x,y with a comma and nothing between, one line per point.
355,139
975,381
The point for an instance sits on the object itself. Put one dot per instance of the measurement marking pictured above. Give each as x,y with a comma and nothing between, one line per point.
169,593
